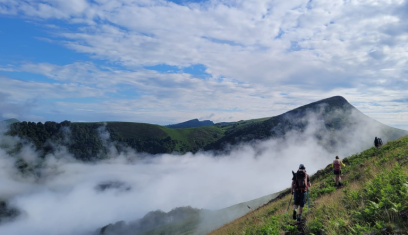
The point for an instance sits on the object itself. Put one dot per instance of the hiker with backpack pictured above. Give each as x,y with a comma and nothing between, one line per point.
378,142
300,185
337,163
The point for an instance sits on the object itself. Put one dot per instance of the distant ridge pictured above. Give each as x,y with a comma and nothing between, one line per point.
9,121
331,122
191,123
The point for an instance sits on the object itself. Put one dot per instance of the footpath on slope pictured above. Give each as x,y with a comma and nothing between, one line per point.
372,200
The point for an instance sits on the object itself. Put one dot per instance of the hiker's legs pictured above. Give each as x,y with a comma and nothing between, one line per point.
337,177
296,199
296,202
294,211
302,197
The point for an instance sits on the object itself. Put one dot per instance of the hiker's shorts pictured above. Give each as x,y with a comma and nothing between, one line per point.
337,172
300,198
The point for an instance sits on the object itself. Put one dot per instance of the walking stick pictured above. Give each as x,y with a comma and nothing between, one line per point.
308,199
289,204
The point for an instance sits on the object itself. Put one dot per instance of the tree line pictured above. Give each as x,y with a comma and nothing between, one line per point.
83,140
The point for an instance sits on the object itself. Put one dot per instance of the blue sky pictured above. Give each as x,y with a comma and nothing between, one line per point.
166,62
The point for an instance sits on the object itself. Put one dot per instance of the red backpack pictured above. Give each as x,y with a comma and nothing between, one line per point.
301,181
337,165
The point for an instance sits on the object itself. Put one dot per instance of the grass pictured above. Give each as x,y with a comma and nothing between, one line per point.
374,199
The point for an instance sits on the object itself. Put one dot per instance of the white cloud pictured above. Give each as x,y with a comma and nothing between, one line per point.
23,90
180,96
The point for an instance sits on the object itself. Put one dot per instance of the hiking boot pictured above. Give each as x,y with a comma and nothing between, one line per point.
299,217
294,214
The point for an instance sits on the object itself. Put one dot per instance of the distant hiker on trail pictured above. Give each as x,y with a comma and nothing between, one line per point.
337,163
378,142
300,184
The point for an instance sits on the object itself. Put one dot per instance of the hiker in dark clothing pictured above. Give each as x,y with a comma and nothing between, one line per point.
380,143
376,142
337,163
300,184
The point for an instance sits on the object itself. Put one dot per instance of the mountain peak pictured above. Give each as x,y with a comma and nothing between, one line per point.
191,123
335,100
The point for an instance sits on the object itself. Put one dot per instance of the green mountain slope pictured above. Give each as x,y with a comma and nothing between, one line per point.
331,121
90,141
372,200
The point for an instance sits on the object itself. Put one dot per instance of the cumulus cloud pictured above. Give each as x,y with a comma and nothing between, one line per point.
144,96
10,108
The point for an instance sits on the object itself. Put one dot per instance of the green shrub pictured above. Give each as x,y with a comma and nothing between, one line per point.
380,200
316,192
271,227
315,226
291,229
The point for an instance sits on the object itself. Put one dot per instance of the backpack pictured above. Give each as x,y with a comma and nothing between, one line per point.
301,181
336,165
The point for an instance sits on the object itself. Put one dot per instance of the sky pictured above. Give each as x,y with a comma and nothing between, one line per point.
165,62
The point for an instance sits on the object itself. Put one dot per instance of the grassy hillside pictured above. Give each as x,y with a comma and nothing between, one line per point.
372,200
136,135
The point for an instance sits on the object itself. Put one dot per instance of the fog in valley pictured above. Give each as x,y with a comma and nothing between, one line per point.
61,195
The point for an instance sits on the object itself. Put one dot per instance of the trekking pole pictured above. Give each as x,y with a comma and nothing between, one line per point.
289,204
308,199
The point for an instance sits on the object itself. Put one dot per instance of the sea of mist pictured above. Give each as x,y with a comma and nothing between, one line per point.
64,196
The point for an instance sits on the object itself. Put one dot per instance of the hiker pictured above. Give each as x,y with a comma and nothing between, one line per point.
380,143
300,184
376,142
337,163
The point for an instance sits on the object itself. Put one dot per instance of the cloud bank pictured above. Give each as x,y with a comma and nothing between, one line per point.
65,196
